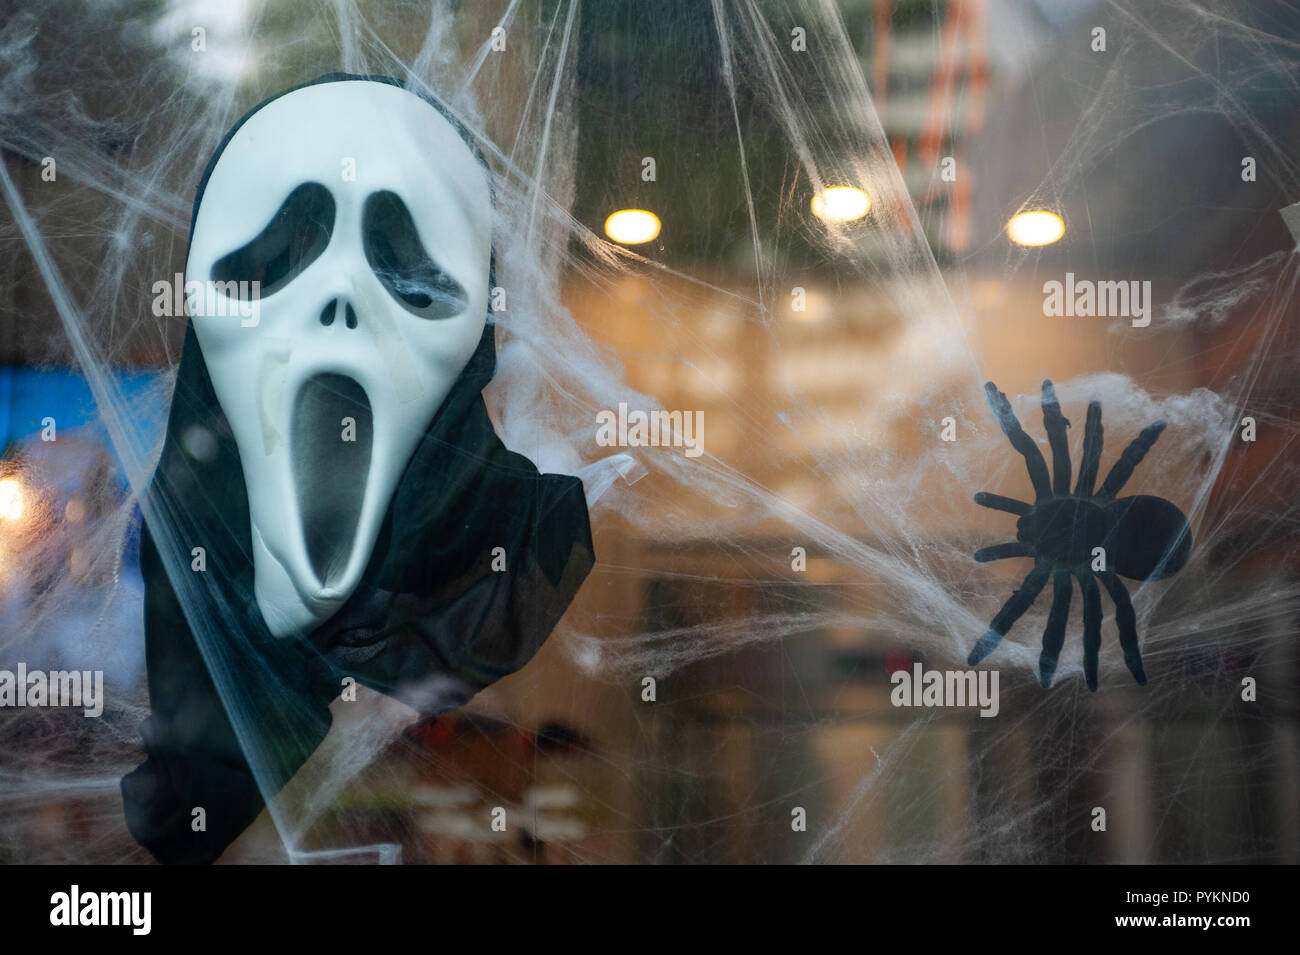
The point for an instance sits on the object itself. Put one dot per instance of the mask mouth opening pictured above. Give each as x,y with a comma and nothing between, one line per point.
331,468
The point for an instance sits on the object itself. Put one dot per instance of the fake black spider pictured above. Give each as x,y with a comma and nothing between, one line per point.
1142,537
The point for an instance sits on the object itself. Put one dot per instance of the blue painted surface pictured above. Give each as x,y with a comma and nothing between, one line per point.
29,395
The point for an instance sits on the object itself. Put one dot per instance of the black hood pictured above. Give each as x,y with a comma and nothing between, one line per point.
433,620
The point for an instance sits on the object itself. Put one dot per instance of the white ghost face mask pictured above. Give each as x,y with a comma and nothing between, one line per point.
366,219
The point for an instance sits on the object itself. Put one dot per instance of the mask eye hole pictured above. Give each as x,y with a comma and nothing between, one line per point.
398,259
294,238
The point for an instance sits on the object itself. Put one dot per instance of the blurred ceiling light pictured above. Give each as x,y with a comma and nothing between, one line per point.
1035,228
632,226
11,499
840,204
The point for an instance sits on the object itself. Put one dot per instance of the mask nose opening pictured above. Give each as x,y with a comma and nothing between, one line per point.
332,309
331,438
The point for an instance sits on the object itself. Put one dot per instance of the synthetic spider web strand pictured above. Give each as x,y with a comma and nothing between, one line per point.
227,668
1025,596
921,577
210,633
729,78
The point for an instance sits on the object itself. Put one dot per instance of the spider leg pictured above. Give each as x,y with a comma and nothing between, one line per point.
1130,459
1055,424
1126,620
1054,634
1002,552
1092,435
1011,611
1019,440
1091,628
999,503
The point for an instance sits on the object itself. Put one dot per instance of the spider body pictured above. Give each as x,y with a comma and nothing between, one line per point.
1085,535
1136,531
1064,530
